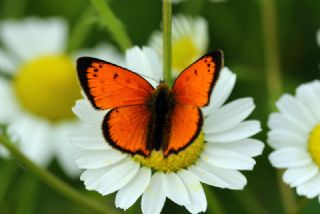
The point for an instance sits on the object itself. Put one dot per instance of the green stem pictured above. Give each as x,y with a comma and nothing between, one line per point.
301,205
287,195
274,82
272,59
214,206
112,23
80,30
167,49
54,181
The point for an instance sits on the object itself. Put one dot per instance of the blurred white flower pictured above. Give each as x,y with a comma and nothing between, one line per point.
189,41
36,102
295,136
215,157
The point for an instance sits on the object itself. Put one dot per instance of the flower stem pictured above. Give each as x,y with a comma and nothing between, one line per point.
54,181
274,82
272,59
214,206
112,23
80,30
167,49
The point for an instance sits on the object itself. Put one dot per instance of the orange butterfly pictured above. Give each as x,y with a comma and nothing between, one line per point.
143,118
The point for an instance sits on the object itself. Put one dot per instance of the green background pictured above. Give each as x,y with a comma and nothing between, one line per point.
236,27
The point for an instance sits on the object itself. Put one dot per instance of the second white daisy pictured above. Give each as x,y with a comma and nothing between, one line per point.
295,136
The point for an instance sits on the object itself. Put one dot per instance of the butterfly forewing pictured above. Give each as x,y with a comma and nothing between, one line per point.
194,85
108,86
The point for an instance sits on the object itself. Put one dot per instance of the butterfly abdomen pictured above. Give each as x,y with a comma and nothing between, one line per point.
161,103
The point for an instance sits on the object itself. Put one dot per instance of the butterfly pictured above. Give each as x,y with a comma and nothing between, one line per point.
143,118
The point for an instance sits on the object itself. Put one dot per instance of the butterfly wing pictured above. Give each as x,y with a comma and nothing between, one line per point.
194,85
186,123
126,128
192,89
108,86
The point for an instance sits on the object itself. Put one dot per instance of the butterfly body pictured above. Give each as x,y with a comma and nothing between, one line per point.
143,118
160,104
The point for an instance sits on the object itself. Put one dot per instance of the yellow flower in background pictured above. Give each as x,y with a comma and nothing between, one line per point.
42,87
189,41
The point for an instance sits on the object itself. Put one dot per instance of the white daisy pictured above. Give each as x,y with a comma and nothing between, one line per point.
295,136
189,41
223,148
36,100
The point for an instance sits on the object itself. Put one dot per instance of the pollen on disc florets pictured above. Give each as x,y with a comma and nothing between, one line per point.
173,162
314,144
47,87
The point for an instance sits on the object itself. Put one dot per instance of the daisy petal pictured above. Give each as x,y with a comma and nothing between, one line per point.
88,139
309,97
64,150
138,60
250,147
295,112
175,189
241,131
289,157
34,37
117,177
229,115
90,177
9,105
228,159
311,188
225,178
282,138
91,159
221,91
207,177
154,196
84,110
198,201
298,175
7,64
278,121
35,146
130,193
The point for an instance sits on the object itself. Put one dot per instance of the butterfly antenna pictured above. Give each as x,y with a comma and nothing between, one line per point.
150,78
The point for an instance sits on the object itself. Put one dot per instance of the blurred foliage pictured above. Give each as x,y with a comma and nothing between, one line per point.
235,27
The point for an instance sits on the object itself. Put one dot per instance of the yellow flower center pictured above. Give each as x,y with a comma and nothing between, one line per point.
314,144
173,162
184,52
47,87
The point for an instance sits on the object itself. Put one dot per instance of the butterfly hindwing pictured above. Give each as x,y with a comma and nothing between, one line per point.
186,123
194,85
126,128
108,86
